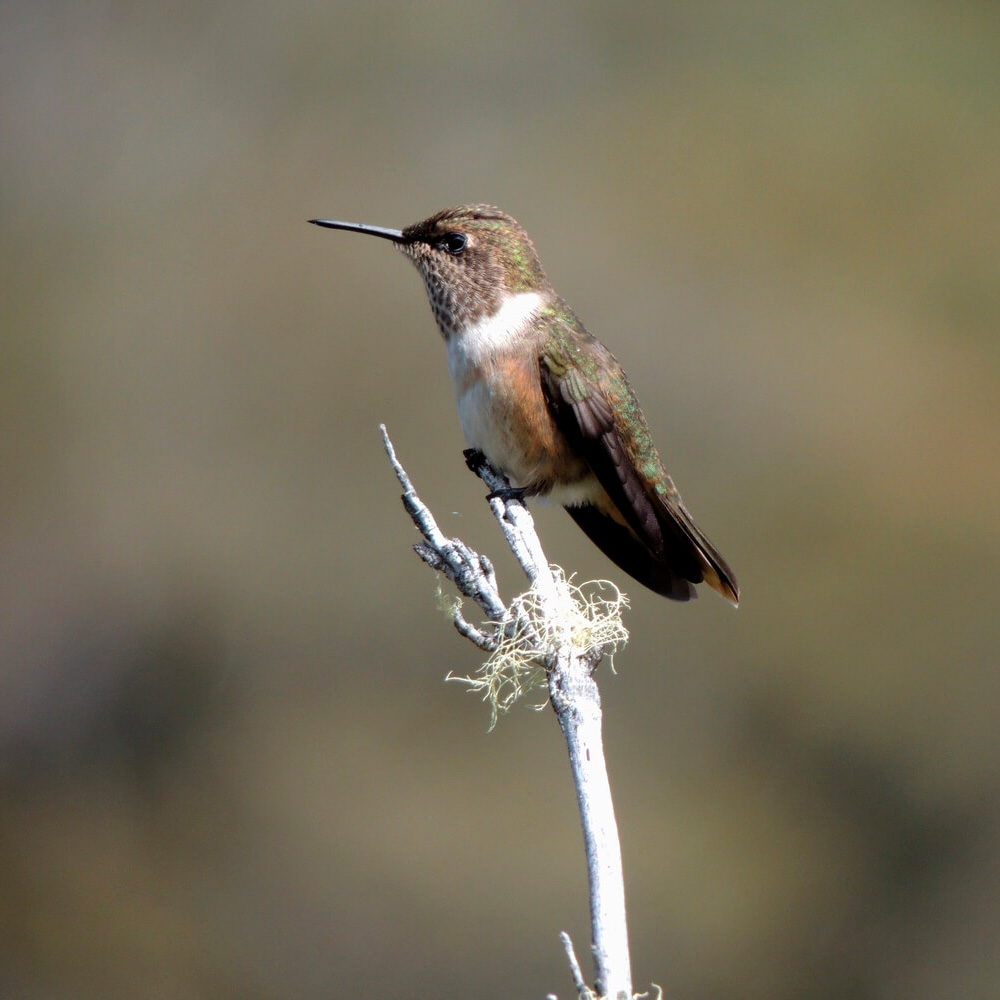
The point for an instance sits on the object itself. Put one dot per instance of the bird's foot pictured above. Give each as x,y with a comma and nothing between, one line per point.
478,462
508,493
475,460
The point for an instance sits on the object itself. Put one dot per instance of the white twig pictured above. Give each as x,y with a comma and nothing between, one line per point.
583,991
570,664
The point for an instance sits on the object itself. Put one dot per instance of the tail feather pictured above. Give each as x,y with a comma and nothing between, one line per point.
622,547
715,570
687,556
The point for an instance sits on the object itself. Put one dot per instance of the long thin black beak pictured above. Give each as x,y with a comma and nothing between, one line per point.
396,235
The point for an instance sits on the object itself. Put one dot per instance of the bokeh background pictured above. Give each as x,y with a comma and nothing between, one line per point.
228,764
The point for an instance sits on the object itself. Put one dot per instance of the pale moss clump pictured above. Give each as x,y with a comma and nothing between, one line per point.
588,617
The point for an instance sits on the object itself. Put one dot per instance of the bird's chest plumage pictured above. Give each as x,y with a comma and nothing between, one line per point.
502,410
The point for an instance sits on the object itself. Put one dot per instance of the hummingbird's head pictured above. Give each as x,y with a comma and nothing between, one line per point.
471,259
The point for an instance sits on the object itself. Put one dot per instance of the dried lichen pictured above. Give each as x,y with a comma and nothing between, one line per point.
587,617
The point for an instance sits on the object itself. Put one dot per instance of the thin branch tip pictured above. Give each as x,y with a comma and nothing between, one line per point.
583,991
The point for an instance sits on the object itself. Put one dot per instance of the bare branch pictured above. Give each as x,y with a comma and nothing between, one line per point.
548,626
471,573
583,991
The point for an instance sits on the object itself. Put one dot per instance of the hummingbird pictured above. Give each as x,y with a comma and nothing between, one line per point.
546,403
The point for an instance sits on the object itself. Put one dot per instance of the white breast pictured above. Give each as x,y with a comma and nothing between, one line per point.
473,348
475,344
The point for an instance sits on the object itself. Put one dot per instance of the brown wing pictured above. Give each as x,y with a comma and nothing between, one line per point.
664,547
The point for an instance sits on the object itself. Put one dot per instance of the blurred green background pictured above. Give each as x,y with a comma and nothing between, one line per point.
228,764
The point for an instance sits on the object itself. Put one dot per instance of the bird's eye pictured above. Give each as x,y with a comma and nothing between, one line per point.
454,242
